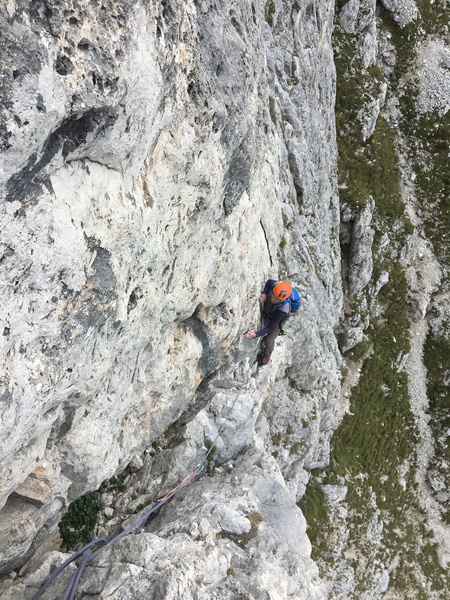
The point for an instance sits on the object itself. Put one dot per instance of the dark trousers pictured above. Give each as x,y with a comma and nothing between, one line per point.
269,340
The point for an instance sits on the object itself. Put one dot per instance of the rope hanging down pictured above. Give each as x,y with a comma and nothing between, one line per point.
86,553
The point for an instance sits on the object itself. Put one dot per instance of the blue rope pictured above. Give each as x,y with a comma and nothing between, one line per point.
85,551
61,568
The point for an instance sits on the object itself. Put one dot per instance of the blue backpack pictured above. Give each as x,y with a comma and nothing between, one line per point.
294,301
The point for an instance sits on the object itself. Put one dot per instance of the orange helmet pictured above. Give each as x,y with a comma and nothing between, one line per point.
282,290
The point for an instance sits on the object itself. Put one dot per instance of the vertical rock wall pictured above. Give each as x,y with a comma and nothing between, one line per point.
159,161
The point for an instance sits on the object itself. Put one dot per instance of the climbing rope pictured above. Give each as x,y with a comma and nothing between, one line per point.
86,554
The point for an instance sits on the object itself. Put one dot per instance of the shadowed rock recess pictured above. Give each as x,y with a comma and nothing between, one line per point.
160,160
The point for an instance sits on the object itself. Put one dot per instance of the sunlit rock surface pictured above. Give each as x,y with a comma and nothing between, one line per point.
159,162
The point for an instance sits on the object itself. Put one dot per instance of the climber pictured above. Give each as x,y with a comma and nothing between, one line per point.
276,308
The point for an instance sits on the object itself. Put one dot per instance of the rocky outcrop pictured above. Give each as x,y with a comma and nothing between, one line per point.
402,11
358,17
357,267
434,77
160,160
360,260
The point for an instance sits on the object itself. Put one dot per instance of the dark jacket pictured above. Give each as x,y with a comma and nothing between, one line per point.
274,312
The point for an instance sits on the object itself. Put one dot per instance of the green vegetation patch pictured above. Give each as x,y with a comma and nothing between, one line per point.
428,140
315,508
270,11
380,425
78,524
365,168
115,484
437,362
360,350
212,448
77,527
373,453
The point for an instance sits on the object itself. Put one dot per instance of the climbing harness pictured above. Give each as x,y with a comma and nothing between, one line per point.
86,551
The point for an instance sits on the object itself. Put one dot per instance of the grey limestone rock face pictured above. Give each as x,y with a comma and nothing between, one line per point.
369,115
434,77
403,11
358,17
159,162
361,261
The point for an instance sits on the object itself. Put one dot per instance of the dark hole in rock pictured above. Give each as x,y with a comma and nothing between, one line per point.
63,65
